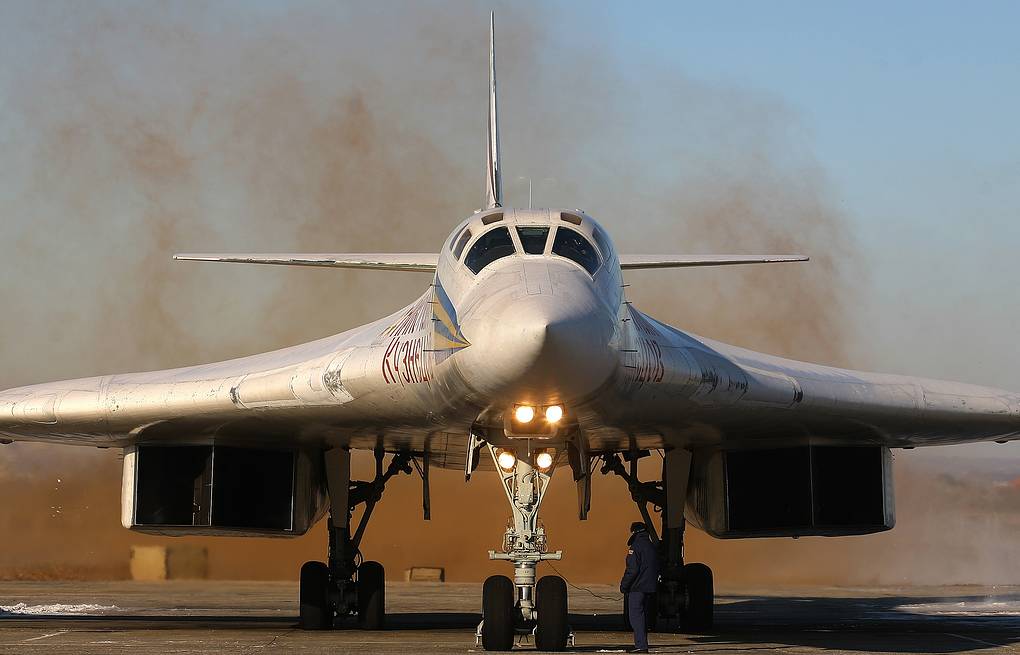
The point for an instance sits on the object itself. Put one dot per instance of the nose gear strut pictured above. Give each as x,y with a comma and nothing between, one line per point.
524,606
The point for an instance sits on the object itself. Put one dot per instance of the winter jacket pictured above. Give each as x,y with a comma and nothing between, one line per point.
642,572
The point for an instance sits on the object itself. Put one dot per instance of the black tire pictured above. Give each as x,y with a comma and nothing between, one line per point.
498,613
652,612
552,631
371,596
315,609
700,598
668,604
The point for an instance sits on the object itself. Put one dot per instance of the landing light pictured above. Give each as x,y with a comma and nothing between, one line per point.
553,413
507,459
544,460
524,413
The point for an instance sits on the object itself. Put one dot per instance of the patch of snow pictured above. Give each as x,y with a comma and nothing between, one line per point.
966,608
56,609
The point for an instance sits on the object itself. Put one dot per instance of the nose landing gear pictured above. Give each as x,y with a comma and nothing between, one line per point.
523,606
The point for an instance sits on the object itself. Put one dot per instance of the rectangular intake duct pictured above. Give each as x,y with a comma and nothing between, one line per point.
796,491
219,490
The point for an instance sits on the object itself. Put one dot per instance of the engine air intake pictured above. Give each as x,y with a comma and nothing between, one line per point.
219,490
798,491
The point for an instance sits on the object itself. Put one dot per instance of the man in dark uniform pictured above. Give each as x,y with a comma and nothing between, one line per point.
639,581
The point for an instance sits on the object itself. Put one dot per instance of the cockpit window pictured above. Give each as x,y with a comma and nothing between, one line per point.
493,245
464,238
533,239
453,239
572,245
602,241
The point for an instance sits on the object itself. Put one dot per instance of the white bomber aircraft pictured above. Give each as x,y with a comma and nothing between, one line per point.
523,348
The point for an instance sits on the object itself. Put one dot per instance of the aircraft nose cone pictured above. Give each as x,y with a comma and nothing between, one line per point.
539,348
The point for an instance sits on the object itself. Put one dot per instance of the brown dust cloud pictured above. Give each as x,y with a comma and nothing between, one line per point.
130,133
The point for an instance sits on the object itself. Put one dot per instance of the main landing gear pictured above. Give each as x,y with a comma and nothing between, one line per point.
522,606
345,585
684,599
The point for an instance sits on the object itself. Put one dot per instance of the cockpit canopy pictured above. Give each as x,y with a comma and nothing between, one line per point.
533,238
492,245
528,239
574,246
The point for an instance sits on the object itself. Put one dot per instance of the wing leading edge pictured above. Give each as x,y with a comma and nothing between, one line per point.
413,261
631,262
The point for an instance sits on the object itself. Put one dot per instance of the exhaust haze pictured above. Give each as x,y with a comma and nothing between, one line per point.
134,132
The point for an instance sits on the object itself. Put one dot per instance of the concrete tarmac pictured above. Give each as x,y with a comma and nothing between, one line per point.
260,617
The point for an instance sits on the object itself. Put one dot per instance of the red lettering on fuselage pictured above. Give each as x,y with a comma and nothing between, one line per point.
387,366
405,361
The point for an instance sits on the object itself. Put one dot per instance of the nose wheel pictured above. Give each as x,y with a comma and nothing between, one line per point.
552,631
521,606
498,613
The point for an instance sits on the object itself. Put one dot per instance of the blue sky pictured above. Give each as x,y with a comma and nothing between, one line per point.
912,107
912,111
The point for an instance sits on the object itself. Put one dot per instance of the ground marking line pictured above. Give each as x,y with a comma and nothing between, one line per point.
52,634
974,639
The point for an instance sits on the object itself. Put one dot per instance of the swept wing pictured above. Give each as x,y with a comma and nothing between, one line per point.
704,392
415,261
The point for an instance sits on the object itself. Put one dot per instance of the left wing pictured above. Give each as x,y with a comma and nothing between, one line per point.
368,387
411,261
116,410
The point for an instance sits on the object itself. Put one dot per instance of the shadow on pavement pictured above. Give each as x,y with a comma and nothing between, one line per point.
957,624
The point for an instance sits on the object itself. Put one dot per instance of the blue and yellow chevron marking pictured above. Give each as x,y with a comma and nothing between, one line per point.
446,334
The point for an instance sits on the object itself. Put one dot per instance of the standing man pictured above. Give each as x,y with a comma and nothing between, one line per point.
639,582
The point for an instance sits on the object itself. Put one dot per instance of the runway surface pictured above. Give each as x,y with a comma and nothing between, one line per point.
260,617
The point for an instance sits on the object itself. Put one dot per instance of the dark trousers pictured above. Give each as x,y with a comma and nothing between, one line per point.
638,605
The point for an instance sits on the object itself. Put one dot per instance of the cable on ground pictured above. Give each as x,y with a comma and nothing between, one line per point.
553,567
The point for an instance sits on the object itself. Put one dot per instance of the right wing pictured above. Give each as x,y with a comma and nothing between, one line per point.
715,392
412,261
683,261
